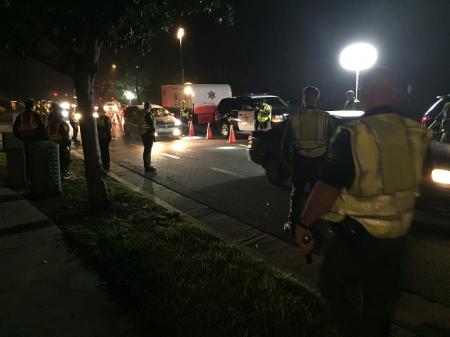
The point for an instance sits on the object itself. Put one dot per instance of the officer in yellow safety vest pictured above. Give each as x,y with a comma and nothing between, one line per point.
28,126
264,117
58,132
368,189
310,131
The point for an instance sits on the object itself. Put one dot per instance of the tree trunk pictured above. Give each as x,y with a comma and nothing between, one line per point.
95,175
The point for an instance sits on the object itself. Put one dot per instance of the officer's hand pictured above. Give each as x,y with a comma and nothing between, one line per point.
304,239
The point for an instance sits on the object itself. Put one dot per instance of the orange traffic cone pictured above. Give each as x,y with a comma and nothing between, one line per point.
232,138
209,134
191,129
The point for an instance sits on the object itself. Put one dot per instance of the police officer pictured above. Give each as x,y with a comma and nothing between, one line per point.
58,132
104,127
351,102
310,131
148,129
369,183
264,116
75,124
29,127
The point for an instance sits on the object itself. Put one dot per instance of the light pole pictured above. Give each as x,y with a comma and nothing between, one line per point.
357,57
129,95
180,35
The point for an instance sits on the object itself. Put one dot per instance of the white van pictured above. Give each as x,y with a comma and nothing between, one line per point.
202,99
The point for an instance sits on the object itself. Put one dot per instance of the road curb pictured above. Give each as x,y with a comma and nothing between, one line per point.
412,312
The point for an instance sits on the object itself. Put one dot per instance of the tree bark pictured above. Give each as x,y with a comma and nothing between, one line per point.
95,175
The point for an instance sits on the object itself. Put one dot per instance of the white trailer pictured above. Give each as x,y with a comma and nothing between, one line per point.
201,98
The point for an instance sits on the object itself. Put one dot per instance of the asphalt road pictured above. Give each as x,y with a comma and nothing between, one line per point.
221,176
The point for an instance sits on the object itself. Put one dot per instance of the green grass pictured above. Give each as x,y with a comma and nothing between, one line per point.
182,279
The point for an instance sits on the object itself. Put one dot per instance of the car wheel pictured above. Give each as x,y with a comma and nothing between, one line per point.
224,129
276,172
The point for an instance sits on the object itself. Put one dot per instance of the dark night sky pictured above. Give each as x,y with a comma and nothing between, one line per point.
280,46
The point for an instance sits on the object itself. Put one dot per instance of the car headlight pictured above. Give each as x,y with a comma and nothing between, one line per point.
176,132
65,113
177,122
65,105
441,176
95,114
277,118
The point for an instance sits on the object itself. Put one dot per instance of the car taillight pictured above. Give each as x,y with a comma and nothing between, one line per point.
426,119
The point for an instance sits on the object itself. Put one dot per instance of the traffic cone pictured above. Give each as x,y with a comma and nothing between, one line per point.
191,129
209,134
232,138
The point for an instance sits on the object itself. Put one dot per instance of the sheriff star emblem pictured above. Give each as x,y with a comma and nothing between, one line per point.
211,95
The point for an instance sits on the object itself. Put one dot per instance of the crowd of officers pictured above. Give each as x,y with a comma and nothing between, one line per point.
40,122
365,177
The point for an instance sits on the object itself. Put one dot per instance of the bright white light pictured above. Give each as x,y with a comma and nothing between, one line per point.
95,108
95,115
128,94
346,113
73,105
77,116
176,132
65,105
177,122
188,91
180,33
441,176
178,146
65,113
277,118
358,56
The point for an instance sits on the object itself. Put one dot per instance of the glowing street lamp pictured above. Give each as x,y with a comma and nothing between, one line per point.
357,57
180,35
129,95
114,66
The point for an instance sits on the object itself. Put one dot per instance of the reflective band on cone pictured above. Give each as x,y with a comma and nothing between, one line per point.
232,138
191,129
209,134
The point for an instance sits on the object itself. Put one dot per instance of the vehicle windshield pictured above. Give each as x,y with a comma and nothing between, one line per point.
160,112
275,102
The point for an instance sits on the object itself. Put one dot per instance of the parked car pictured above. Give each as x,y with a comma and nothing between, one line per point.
166,123
433,114
241,112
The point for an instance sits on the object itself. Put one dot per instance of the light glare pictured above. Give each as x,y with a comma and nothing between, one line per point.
441,176
180,33
358,56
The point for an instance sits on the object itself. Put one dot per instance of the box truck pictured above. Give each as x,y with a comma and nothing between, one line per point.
202,99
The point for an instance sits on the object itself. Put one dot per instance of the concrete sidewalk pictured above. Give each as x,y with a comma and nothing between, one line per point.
416,314
45,289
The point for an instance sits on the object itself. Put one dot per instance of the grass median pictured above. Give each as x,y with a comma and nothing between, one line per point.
182,279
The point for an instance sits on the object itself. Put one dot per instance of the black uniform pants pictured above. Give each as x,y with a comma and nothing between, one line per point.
306,170
104,152
64,159
147,141
358,277
75,130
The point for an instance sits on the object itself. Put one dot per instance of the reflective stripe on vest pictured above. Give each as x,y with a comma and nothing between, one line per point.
53,133
265,113
28,127
388,154
309,132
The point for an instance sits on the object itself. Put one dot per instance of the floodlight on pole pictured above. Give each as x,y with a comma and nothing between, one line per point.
357,57
180,35
129,95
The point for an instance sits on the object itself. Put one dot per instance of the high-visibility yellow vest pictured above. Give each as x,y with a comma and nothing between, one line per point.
388,154
309,132
28,127
52,131
265,113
